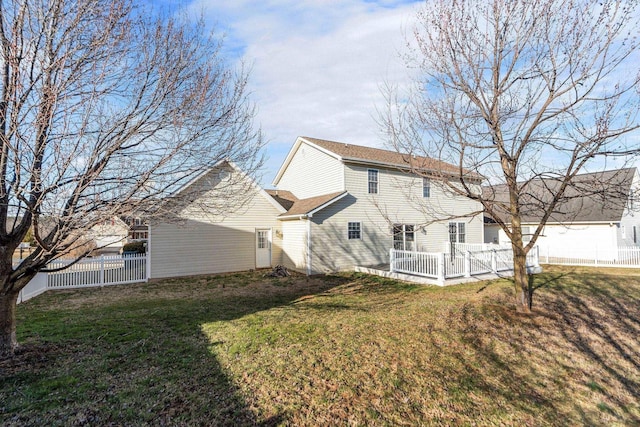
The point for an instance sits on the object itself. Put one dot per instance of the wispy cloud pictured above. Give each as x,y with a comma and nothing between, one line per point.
317,66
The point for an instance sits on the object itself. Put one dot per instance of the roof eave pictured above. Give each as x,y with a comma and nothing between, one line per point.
310,213
402,166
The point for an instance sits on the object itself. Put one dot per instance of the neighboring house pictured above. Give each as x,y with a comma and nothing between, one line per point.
110,236
597,217
337,206
138,228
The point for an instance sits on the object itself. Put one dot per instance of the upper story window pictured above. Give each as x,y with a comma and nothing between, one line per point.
457,232
373,181
426,187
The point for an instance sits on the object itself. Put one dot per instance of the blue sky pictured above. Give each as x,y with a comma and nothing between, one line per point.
317,65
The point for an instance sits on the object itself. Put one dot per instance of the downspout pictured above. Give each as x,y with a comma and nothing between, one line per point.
148,253
309,246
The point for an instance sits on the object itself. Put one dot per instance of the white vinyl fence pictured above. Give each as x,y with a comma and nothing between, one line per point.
441,266
623,256
88,272
448,247
99,271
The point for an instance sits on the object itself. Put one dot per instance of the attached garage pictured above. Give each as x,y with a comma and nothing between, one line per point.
230,225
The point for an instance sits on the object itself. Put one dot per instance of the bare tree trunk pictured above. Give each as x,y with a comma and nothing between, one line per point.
8,341
523,288
500,88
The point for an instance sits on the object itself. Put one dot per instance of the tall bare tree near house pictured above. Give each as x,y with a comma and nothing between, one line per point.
105,109
516,91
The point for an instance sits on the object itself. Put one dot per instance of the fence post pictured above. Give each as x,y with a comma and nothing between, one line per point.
547,254
440,272
391,260
467,264
494,262
596,255
102,269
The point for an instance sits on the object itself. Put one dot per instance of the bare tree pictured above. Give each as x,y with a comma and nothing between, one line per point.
105,110
522,94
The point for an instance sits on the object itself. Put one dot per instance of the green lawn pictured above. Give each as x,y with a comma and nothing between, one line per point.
341,350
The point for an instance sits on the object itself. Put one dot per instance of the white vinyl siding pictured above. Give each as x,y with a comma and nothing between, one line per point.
331,248
206,244
400,201
395,203
631,217
311,173
294,244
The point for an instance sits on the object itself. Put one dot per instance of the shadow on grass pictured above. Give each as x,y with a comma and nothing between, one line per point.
141,360
581,340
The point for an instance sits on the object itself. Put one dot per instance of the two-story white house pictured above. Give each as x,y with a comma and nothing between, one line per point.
336,206
353,203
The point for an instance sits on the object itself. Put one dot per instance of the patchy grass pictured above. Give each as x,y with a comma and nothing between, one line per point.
339,350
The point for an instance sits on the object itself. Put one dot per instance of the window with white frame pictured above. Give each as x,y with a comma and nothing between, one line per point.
404,237
354,231
526,234
373,181
457,232
426,187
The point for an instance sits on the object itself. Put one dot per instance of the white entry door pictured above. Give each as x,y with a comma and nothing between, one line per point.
263,248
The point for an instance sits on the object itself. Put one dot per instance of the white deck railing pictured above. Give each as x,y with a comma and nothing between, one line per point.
441,266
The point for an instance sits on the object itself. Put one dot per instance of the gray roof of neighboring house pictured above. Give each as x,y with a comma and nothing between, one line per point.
592,197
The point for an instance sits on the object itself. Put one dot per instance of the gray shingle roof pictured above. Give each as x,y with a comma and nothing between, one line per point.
592,197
